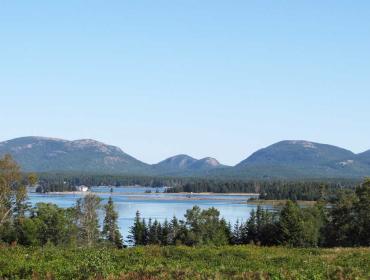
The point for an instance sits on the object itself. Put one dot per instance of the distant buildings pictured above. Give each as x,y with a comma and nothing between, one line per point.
82,188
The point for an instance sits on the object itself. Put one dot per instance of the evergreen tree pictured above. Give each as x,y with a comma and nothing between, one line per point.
291,225
154,230
111,231
313,223
237,233
251,229
165,233
138,231
339,230
144,233
362,214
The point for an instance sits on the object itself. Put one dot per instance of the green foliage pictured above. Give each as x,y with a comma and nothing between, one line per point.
201,227
110,227
13,199
349,219
293,190
206,227
55,225
362,210
261,228
225,262
345,223
11,190
32,179
291,225
138,231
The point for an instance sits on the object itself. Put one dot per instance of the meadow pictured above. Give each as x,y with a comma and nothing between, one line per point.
153,262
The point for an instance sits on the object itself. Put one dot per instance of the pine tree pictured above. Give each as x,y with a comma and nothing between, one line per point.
153,232
144,233
111,231
362,214
251,229
165,233
236,238
291,225
138,231
339,229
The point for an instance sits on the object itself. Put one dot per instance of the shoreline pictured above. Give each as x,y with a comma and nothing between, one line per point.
276,202
243,198
231,197
154,193
240,198
213,193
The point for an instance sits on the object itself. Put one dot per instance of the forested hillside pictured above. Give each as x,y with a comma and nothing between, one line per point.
285,160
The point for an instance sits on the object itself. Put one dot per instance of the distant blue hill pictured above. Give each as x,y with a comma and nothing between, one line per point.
283,160
303,159
185,165
41,154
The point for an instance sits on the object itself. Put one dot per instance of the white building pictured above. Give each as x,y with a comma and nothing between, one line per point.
82,188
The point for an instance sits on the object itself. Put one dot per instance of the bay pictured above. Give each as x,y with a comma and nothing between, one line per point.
155,205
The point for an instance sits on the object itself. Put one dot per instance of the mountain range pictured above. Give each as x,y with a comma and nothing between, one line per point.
284,160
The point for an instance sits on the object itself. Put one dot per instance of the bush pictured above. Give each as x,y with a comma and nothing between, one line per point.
226,262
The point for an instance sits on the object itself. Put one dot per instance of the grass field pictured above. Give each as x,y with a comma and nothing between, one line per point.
244,262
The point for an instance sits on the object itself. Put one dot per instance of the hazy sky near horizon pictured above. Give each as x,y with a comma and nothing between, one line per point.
205,78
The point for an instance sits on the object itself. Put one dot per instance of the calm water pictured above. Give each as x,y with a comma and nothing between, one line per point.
158,206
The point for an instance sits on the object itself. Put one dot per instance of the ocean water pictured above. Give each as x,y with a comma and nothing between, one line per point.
156,205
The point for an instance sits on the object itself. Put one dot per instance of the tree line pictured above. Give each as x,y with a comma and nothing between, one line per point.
345,223
59,182
313,190
278,190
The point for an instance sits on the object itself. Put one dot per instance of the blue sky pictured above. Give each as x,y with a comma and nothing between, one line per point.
206,78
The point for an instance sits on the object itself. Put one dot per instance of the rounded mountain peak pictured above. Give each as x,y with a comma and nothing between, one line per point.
297,152
210,161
